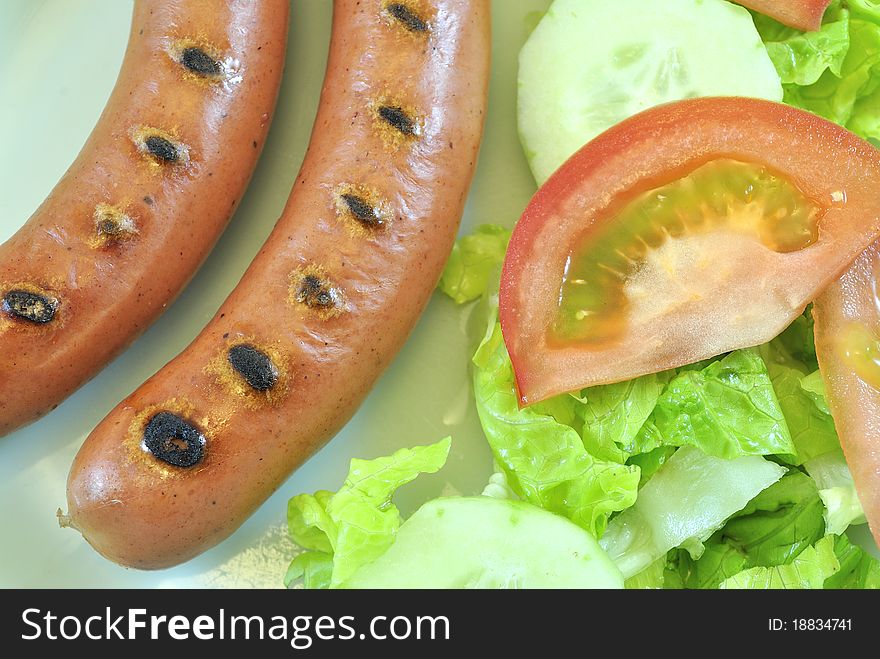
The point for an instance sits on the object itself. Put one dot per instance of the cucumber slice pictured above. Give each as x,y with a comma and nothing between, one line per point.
592,63
481,542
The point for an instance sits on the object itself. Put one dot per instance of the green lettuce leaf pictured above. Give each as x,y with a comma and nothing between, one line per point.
791,363
358,523
837,491
808,570
729,409
779,523
683,504
801,58
652,577
814,387
718,562
773,529
858,569
651,461
474,256
613,415
315,568
845,54
545,461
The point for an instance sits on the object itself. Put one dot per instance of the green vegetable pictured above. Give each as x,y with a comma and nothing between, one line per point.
545,461
809,570
613,415
472,261
481,542
728,409
814,387
837,491
358,523
592,63
779,523
652,577
719,561
801,58
687,500
858,569
790,358
845,54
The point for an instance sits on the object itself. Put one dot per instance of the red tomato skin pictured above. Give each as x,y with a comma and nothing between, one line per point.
651,149
800,14
855,405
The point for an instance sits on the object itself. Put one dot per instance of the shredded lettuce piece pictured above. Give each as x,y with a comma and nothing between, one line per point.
355,525
544,460
719,561
774,528
779,523
845,54
474,256
858,569
791,363
613,415
652,577
837,491
651,461
728,409
801,58
808,571
683,504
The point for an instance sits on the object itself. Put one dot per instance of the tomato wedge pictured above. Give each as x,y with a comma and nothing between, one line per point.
847,328
687,231
800,14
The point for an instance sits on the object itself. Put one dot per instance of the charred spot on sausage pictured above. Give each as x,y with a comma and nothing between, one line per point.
362,210
163,149
112,225
174,440
30,306
401,12
312,288
398,119
316,293
254,365
199,62
160,147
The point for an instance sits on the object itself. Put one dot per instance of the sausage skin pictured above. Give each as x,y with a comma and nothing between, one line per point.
324,307
146,199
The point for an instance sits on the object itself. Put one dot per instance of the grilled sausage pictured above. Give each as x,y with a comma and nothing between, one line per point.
145,200
328,301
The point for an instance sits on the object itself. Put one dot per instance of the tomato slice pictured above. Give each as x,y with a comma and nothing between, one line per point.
800,14
687,231
847,328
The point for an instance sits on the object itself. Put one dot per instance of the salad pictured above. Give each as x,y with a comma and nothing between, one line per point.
723,473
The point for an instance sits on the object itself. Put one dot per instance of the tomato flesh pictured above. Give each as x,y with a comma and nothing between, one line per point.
608,269
847,328
763,205
800,14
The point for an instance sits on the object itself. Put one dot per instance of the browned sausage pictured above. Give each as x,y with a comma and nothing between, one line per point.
329,300
145,200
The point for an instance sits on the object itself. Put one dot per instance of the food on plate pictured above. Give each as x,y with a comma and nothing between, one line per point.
638,54
689,230
832,72
848,348
510,544
722,473
354,538
145,200
800,14
331,297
